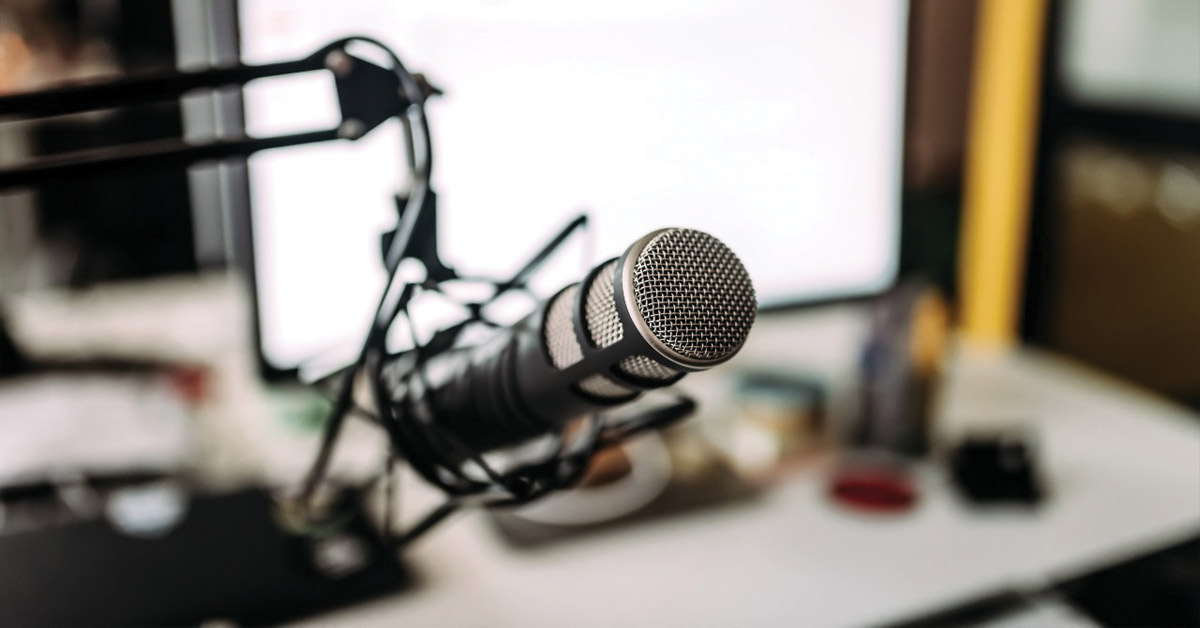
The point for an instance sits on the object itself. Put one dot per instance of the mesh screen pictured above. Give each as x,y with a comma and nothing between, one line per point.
564,349
603,325
694,294
561,342
645,368
602,386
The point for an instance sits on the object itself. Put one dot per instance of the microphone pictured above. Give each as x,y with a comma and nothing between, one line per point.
677,301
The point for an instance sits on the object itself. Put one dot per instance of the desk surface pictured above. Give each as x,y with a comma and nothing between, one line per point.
1122,468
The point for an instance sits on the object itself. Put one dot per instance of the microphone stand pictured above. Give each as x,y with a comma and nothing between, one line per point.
368,95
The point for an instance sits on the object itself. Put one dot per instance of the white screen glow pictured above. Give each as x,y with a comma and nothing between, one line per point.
775,126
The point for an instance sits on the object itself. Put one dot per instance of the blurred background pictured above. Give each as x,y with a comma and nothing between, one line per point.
972,396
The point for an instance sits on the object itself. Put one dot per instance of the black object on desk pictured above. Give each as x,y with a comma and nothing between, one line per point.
997,469
227,559
1157,589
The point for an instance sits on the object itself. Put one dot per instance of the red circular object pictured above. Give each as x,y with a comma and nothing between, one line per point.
191,383
874,490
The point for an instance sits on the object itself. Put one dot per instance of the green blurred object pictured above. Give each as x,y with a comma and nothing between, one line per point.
301,409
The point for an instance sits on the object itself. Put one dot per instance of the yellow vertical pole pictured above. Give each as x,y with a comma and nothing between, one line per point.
1002,136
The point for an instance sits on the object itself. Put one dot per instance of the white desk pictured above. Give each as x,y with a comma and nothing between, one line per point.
1123,469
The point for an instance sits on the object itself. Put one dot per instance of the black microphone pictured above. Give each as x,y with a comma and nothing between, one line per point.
677,300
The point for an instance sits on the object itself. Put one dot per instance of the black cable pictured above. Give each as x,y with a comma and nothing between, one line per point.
427,523
420,172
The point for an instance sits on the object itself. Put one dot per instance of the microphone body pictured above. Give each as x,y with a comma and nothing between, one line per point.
676,301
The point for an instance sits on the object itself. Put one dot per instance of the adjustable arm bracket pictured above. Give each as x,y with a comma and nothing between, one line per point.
368,95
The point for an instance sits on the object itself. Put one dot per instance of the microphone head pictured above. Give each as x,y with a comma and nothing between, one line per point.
679,299
688,296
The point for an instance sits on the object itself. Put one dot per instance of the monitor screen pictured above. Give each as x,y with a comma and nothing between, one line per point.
775,126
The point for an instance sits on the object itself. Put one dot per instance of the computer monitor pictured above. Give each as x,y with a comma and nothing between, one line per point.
776,126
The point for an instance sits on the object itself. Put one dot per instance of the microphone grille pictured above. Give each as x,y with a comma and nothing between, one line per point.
694,294
565,351
605,329
646,368
561,343
600,312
